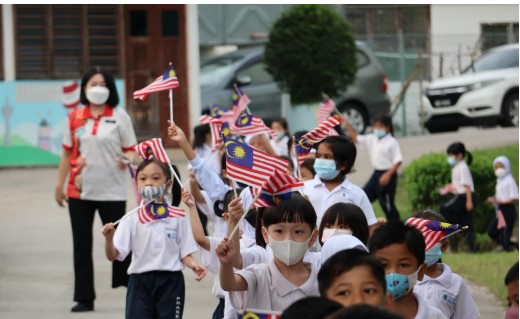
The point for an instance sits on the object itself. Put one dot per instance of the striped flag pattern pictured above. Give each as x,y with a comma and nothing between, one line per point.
327,106
248,124
322,130
152,147
164,82
277,188
240,102
433,231
302,149
155,211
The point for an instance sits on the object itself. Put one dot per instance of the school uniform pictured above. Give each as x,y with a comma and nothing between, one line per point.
268,289
219,224
425,310
449,294
209,180
156,286
210,157
384,153
95,184
281,146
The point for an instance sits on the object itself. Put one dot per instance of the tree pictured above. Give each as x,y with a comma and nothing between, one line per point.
311,50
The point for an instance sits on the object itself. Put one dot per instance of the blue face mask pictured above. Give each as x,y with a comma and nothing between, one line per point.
280,134
433,255
399,285
451,160
380,133
325,169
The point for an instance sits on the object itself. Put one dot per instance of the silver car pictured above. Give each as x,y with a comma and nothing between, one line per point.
245,67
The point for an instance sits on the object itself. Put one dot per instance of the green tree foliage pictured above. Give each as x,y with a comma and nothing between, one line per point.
311,49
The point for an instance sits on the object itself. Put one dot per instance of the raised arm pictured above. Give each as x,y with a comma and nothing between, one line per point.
350,130
196,225
108,231
229,281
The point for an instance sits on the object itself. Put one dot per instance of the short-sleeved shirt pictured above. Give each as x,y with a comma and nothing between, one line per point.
158,245
98,142
427,311
347,192
506,189
280,146
268,289
460,177
384,153
449,294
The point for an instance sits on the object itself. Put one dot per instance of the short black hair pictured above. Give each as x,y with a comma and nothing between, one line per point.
363,311
344,261
459,148
344,151
297,209
429,214
512,274
311,308
288,159
199,135
384,119
395,232
113,97
283,123
308,163
346,214
164,167
220,205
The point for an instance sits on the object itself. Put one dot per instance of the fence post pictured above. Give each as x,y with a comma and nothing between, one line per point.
400,39
441,65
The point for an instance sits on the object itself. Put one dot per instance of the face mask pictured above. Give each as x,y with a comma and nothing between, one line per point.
325,169
380,133
500,172
152,192
433,255
280,134
97,94
451,160
288,251
331,232
399,285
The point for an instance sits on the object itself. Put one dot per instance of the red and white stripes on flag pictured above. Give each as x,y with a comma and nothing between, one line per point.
430,237
326,107
323,130
152,147
243,102
216,139
145,216
280,182
256,126
156,86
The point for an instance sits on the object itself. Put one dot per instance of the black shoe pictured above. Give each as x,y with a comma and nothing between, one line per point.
83,306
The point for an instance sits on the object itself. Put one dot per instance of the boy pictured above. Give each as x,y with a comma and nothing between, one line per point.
401,251
511,282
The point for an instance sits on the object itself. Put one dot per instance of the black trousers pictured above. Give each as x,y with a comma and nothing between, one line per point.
155,295
82,218
385,194
455,213
503,236
219,311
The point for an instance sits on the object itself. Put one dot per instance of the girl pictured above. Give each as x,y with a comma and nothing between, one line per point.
385,156
281,141
506,194
343,218
307,169
289,229
202,146
458,210
159,251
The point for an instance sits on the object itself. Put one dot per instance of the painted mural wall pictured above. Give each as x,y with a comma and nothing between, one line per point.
33,118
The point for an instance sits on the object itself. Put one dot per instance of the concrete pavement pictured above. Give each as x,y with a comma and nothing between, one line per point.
36,274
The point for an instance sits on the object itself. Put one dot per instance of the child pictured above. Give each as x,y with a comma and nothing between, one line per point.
506,194
339,243
202,146
343,218
289,229
401,251
307,169
442,288
363,312
459,209
335,158
311,308
353,277
159,250
511,282
279,144
385,156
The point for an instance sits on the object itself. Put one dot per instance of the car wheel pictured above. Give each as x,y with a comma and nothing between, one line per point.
356,116
510,110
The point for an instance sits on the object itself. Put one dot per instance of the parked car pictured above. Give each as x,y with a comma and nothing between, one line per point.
486,93
245,67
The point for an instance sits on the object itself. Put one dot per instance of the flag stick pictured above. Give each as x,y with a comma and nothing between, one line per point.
455,232
235,189
173,173
171,105
325,96
130,213
244,215
247,107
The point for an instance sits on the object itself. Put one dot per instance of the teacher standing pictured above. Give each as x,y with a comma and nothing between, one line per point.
98,139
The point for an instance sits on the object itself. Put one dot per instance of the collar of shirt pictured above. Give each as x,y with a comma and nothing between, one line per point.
108,112
284,287
444,278
316,182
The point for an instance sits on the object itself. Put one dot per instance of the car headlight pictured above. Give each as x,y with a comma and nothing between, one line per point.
479,85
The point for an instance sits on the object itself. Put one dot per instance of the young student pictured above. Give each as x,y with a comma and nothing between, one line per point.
385,156
353,277
343,218
290,167
400,249
511,282
159,251
289,229
279,144
202,146
311,308
307,169
339,243
459,209
442,288
335,158
363,312
506,194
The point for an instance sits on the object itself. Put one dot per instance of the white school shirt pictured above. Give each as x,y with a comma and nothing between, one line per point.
280,147
506,189
449,294
219,225
158,245
210,157
384,153
259,255
268,289
426,311
347,192
209,180
461,176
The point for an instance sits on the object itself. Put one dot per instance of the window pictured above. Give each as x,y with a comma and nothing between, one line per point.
63,41
495,34
257,73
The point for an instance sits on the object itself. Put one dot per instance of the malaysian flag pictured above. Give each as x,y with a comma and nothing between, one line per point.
218,113
155,211
249,165
164,82
240,102
152,147
218,130
248,124
323,130
277,188
260,314
433,231
327,108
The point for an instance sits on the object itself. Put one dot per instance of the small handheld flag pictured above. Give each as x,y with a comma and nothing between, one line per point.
434,231
260,314
156,211
168,80
154,147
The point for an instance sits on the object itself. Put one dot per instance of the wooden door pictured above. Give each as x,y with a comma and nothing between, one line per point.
155,35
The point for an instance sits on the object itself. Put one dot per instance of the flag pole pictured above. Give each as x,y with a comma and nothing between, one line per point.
335,108
130,213
236,89
244,214
297,161
455,232
171,103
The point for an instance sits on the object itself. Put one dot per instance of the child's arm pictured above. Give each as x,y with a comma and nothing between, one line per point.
385,178
350,130
190,262
235,211
229,281
108,231
267,145
195,189
469,199
196,225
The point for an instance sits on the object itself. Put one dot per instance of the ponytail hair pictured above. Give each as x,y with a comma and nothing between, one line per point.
459,148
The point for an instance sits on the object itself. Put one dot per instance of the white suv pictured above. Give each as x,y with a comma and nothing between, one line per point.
486,93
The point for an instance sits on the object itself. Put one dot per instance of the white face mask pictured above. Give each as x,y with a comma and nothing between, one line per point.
331,232
97,94
288,251
500,172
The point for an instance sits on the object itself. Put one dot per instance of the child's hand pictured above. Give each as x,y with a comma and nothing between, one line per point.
187,198
469,206
192,178
108,230
226,251
235,210
175,133
384,179
199,271
491,200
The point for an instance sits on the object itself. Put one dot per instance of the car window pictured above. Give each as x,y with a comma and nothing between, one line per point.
495,60
212,71
362,59
257,72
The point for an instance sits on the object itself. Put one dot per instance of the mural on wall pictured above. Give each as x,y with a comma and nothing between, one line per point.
33,118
